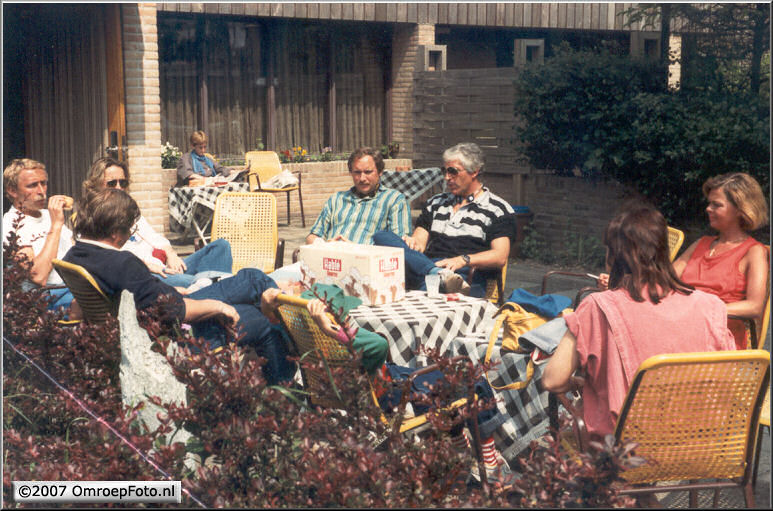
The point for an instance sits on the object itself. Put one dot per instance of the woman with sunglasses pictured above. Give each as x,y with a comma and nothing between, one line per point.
153,248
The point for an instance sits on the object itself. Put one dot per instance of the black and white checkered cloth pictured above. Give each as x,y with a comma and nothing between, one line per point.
412,183
418,321
526,409
462,328
187,203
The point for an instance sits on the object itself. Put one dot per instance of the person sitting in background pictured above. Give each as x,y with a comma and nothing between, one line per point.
367,207
43,236
196,165
466,227
152,248
731,265
246,300
647,311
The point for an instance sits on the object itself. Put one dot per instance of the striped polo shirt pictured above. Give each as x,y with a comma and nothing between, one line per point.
468,231
357,218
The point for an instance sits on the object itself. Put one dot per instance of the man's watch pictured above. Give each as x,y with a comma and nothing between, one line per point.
466,259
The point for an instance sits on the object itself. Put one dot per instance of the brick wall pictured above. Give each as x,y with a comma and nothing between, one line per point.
318,181
563,204
405,58
143,111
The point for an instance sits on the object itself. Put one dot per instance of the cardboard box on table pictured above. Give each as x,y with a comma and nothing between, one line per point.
374,274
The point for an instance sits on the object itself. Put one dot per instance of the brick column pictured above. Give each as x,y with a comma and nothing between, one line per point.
143,111
405,43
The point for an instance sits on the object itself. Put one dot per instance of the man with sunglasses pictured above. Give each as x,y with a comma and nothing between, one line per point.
367,207
466,227
43,236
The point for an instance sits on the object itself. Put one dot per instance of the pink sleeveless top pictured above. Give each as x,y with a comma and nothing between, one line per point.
719,276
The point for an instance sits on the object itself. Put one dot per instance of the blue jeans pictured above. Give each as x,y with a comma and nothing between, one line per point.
243,292
418,265
215,256
62,298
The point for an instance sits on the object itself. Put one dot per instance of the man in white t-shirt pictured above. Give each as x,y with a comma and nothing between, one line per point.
42,233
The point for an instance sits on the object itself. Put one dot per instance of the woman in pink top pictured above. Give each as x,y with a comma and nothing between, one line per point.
732,265
647,311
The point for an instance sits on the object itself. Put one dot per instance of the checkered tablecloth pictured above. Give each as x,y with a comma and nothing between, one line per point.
187,203
463,328
412,183
526,409
418,321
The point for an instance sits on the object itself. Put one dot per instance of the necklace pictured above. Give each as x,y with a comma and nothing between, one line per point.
730,242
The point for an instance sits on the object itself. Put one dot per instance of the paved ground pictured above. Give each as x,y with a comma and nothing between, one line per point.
528,275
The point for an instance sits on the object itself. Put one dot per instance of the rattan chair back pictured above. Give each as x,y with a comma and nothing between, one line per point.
314,345
675,240
96,305
248,222
694,416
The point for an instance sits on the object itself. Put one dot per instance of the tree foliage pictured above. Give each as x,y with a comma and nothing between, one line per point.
604,116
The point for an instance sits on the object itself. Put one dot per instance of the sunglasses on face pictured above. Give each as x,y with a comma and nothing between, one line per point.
113,183
452,171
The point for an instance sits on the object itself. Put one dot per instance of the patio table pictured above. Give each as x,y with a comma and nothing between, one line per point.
191,207
462,328
418,321
412,183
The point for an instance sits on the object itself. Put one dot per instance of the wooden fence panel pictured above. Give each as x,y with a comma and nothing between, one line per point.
465,106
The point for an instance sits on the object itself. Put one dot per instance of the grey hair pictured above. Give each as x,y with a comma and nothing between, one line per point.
468,153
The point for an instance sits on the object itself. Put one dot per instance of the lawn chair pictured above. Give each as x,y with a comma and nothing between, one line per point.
757,329
495,287
262,166
248,221
675,240
96,305
694,417
315,346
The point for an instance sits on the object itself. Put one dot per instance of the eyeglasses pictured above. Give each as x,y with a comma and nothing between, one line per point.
358,173
113,183
452,171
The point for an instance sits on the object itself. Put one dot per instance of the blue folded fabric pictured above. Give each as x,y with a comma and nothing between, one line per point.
545,337
548,306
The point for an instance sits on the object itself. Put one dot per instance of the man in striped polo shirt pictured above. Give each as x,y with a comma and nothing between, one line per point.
466,227
356,214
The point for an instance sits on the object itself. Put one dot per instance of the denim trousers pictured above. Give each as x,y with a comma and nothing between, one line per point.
243,292
418,265
215,256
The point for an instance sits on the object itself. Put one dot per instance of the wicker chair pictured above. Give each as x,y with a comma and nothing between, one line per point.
96,305
495,287
262,166
757,329
675,240
694,417
248,221
314,345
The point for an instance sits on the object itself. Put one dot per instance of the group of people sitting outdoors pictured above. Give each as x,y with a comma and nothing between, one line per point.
646,306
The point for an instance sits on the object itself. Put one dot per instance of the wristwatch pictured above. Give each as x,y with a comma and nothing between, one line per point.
466,259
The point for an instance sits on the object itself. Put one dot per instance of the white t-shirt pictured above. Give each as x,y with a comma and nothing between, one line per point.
144,240
32,233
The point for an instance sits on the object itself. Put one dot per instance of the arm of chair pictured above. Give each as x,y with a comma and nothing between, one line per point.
279,260
296,255
751,326
578,422
549,274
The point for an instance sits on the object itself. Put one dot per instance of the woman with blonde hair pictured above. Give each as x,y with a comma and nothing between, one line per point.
152,248
732,264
